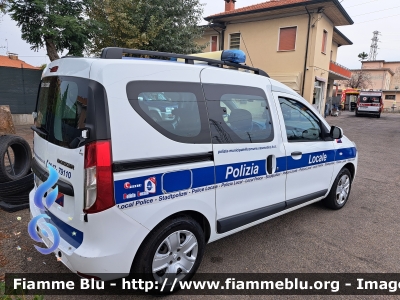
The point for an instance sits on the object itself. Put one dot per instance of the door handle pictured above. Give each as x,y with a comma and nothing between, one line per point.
297,153
271,164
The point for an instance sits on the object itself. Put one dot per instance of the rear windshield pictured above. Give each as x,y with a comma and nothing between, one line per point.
61,109
370,99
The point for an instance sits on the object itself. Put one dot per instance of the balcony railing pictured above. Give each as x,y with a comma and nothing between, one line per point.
339,69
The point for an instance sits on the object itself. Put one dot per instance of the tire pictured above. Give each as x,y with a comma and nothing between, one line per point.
16,187
336,200
19,198
155,244
22,158
357,114
13,207
378,116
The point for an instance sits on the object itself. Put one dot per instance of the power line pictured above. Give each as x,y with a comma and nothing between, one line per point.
362,3
376,19
372,12
241,35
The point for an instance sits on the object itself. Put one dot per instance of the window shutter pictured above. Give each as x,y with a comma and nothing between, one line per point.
235,41
324,39
214,43
287,39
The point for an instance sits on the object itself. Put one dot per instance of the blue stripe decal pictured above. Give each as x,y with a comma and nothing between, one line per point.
139,188
244,170
311,159
71,235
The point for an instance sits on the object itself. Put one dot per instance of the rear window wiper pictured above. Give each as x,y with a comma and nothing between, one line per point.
40,130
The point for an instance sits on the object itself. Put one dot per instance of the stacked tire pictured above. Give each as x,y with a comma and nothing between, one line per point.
16,178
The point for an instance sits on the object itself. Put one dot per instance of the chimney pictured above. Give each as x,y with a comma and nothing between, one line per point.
229,5
13,56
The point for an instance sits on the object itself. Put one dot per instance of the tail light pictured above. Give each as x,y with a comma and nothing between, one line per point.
99,183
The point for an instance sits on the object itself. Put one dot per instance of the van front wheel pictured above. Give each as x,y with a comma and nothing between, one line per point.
173,251
340,190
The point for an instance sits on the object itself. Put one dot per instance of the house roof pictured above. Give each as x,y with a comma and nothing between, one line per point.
381,60
6,61
335,12
340,38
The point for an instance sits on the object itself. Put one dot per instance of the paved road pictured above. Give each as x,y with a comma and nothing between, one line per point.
362,237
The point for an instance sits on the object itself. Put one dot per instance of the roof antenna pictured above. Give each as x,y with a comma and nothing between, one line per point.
241,35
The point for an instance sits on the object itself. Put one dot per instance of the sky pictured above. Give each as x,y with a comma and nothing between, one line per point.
368,16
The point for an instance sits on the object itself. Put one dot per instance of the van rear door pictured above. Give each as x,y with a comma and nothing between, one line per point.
65,109
370,102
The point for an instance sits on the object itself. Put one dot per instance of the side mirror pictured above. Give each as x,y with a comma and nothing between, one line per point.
336,132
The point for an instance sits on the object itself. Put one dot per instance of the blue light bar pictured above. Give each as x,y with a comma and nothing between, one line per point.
234,56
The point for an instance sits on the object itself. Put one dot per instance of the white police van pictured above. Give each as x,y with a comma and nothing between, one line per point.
139,194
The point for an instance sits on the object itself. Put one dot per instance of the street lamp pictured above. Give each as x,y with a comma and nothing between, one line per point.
395,95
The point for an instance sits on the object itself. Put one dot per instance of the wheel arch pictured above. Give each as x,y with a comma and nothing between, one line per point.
197,216
351,168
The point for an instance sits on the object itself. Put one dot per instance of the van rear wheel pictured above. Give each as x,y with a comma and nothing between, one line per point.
173,250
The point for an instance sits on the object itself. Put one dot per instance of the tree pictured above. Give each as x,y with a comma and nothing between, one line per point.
4,5
158,25
359,80
56,24
362,56
43,66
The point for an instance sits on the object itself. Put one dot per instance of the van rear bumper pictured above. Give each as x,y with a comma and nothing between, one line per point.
365,112
110,242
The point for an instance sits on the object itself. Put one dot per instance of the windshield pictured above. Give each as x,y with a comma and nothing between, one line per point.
370,99
61,109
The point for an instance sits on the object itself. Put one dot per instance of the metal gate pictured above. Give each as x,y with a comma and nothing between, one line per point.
18,89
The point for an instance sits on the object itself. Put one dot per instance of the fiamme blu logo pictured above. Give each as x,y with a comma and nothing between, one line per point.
49,200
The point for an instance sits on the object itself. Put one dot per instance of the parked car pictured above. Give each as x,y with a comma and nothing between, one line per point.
161,109
142,194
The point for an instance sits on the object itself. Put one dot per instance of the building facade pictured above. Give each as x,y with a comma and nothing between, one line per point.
294,41
384,76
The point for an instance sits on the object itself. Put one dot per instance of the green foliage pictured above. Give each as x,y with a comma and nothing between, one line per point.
159,25
43,66
14,296
57,24
3,6
362,56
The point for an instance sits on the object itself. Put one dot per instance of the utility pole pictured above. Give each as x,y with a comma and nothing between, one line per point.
374,46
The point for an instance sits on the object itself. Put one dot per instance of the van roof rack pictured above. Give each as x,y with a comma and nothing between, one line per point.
118,53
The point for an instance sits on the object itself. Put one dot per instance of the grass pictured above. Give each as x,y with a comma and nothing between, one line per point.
15,295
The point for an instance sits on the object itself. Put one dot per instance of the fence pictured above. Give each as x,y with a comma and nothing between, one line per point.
18,89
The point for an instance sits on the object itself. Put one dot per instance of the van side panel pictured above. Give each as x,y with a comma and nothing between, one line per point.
154,175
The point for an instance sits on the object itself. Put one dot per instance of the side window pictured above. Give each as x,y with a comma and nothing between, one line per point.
301,123
175,109
238,114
